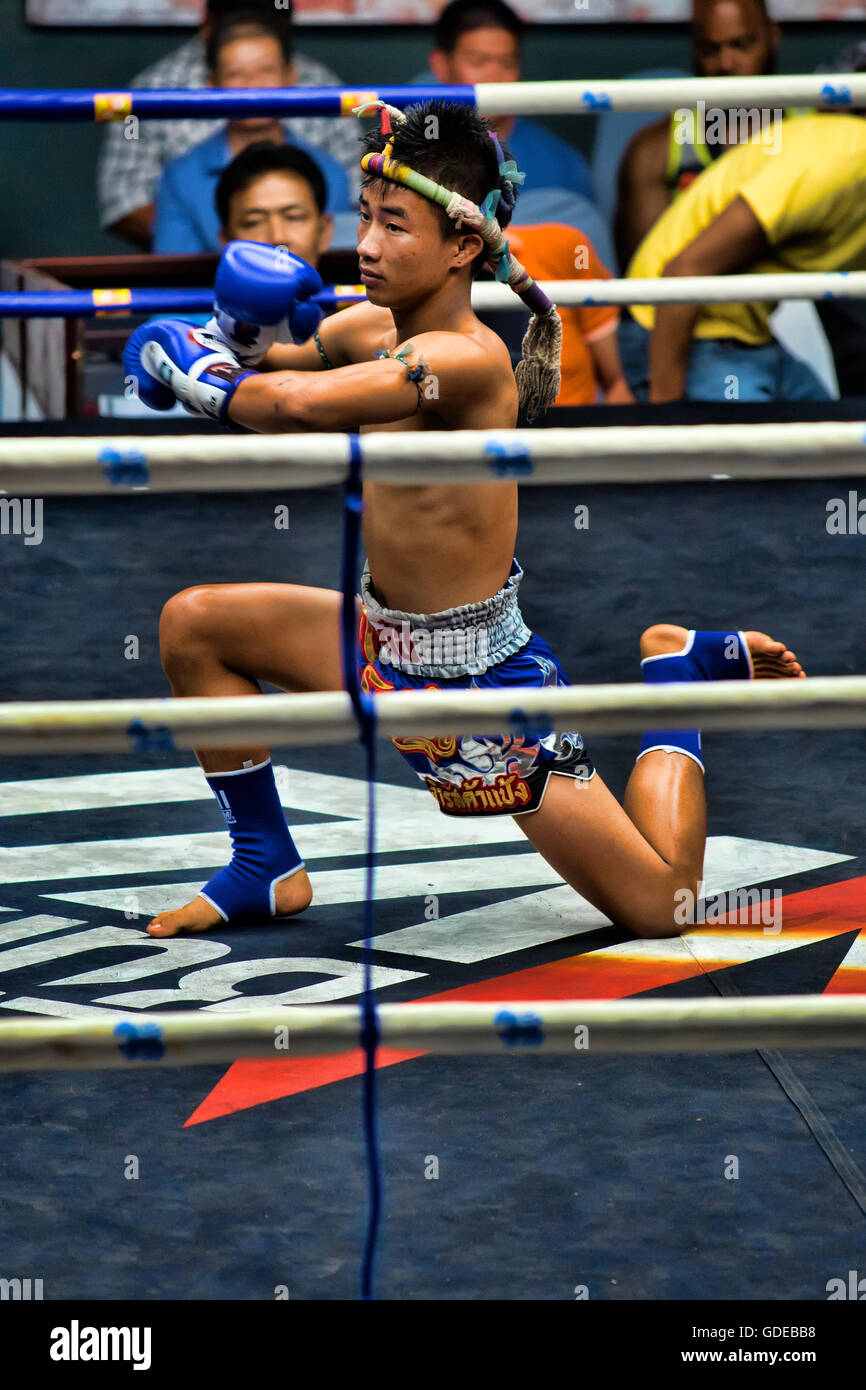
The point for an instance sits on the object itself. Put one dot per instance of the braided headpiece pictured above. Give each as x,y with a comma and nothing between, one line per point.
538,373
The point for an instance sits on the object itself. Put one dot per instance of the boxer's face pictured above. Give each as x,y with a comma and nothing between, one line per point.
403,254
256,61
279,209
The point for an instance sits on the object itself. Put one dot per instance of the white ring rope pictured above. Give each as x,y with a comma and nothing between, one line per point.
82,726
72,466
578,1028
680,289
839,91
487,296
828,91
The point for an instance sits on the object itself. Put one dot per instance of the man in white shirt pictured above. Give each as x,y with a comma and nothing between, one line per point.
129,169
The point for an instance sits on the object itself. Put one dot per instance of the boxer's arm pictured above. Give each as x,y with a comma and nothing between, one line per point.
351,335
455,370
292,357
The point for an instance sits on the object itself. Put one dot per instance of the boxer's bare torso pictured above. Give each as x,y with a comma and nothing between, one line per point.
429,547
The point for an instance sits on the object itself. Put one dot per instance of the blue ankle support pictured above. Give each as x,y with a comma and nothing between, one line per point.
263,851
706,656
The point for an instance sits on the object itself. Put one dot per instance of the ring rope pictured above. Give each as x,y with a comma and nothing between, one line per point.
833,91
119,302
139,726
75,466
665,1026
365,715
486,297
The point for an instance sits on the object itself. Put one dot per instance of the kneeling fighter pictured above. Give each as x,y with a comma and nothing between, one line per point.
439,594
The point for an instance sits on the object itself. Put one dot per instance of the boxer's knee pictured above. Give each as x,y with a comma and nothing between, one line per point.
666,908
184,625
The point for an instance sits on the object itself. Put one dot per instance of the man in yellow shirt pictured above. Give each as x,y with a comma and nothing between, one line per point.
802,208
730,38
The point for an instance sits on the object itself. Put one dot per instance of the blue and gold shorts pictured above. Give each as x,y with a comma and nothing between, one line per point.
477,646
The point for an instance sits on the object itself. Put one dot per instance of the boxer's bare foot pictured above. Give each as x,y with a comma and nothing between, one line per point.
771,660
292,895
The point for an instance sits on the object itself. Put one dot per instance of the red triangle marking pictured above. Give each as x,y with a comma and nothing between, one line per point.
831,910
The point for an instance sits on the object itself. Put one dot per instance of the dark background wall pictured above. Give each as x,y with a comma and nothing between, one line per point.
47,172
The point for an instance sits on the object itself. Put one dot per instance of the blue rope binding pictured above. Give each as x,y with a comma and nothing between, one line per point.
362,704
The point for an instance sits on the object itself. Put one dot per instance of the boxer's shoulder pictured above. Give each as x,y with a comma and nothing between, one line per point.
356,334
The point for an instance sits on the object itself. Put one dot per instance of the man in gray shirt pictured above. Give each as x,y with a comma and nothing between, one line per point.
129,168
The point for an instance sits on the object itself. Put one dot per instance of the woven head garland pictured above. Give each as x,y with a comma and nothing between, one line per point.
538,373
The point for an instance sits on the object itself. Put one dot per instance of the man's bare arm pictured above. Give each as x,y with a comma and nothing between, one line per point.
643,193
347,336
733,241
366,393
136,226
608,368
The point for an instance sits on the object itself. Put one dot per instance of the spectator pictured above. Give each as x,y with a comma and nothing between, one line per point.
844,320
799,208
480,41
730,38
556,205
133,157
590,356
245,50
275,194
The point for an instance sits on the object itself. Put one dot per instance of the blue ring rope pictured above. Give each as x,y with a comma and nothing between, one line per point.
80,104
370,1032
32,304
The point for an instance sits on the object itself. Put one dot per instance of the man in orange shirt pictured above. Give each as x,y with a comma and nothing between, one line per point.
590,356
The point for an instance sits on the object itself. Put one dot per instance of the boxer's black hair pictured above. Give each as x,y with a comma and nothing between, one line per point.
451,145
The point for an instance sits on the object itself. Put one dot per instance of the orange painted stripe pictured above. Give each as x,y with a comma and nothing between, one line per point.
827,911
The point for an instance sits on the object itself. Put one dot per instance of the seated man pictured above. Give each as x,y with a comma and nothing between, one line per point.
799,209
244,51
480,41
275,194
132,157
844,320
440,589
730,38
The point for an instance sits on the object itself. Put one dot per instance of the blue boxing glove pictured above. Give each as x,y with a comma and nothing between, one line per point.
263,297
173,358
